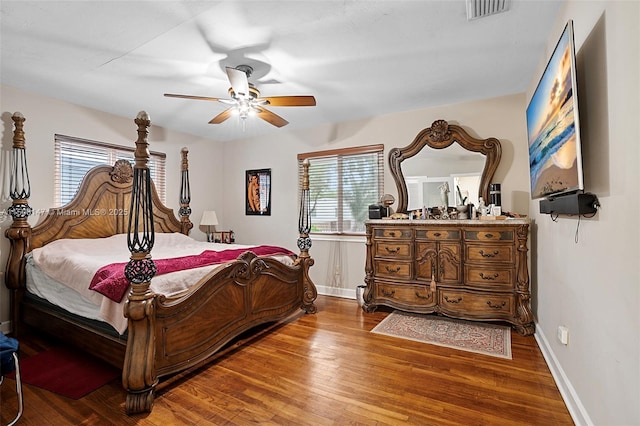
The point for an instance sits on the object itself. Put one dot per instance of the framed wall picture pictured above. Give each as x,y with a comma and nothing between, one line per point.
258,192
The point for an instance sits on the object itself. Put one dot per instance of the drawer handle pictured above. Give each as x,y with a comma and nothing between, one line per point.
392,271
488,277
483,254
458,300
492,306
391,250
419,296
393,234
387,293
436,234
489,235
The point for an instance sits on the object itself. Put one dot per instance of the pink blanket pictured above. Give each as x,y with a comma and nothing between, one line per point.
111,282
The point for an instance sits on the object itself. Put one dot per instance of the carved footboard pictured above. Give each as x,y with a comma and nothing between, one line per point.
245,293
188,330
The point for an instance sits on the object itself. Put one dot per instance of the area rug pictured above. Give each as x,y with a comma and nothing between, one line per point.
482,338
66,371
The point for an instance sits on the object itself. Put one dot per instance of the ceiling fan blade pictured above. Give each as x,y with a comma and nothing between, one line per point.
222,116
239,81
201,98
290,100
271,118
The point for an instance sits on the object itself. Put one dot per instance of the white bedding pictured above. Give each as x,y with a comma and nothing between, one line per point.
74,262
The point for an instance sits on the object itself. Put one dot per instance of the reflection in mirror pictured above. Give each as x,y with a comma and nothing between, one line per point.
430,168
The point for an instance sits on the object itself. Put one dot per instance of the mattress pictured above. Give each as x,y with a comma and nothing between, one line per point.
54,274
56,293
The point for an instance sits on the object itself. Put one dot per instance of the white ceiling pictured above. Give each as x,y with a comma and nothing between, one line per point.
358,58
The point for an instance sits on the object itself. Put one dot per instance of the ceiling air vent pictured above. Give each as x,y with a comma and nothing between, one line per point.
481,8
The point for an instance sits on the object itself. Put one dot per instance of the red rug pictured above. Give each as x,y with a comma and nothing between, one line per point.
66,371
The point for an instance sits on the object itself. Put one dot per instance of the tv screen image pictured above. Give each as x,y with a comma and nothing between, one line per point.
555,163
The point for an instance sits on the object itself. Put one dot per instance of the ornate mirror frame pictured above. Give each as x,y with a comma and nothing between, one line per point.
440,135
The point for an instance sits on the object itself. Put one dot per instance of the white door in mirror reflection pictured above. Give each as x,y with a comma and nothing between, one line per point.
466,188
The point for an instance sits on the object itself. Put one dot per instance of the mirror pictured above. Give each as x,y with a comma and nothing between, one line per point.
427,171
443,156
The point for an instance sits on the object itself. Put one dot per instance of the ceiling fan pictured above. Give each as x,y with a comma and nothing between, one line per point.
245,99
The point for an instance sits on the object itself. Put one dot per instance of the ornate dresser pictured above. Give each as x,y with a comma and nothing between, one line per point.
469,269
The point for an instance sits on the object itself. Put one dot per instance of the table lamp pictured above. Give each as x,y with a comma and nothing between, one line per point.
209,219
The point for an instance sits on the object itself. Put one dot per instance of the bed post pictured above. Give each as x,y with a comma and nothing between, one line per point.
139,376
185,194
19,234
304,243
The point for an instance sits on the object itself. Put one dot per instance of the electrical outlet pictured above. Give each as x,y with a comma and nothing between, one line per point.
563,334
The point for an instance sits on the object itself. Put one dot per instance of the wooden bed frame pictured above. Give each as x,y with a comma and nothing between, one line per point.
164,335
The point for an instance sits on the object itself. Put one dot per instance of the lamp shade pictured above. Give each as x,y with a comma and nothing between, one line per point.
209,218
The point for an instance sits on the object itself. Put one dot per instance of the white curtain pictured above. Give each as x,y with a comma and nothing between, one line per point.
337,271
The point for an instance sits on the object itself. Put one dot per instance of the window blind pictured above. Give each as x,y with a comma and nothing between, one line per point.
342,185
74,157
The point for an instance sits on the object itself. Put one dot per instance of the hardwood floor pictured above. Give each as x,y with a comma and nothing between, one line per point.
325,369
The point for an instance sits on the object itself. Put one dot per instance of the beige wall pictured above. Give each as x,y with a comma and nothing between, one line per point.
585,271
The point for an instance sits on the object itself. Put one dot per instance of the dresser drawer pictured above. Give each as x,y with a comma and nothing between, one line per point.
393,269
489,277
400,233
438,234
393,249
476,305
413,295
490,253
489,234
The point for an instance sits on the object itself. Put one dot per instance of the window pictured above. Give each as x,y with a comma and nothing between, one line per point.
342,185
74,157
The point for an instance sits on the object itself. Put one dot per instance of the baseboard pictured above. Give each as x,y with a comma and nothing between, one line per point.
574,405
347,293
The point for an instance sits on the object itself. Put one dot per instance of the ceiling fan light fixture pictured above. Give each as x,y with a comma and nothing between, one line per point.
244,107
245,100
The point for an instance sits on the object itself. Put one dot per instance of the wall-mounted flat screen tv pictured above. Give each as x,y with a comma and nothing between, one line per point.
555,160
